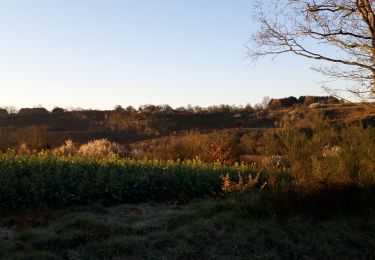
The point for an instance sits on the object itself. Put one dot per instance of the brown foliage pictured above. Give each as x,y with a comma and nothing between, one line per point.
214,147
34,137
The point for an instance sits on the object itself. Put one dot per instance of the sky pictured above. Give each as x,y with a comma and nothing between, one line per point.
102,53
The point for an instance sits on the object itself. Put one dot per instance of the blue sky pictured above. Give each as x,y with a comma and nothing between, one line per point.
97,54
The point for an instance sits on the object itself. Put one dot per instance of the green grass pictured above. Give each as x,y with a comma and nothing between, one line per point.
222,228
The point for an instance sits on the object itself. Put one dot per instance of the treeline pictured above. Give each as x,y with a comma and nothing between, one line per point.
302,101
150,108
39,128
123,125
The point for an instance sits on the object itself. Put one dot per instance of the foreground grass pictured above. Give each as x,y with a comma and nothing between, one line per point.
207,228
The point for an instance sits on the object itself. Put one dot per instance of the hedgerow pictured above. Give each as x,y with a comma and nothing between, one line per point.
44,179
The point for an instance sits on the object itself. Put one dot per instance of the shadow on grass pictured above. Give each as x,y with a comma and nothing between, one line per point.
254,225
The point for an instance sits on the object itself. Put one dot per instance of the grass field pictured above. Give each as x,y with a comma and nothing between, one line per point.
206,228
69,207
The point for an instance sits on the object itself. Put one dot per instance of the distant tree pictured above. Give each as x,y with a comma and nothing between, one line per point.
265,102
308,100
148,108
198,109
340,32
248,108
130,109
289,101
225,108
166,108
282,102
181,109
118,108
3,112
58,110
35,110
258,106
274,104
189,107
11,109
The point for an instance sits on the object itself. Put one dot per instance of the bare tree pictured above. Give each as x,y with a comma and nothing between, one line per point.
340,32
265,102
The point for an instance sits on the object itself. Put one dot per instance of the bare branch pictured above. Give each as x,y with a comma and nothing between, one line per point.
346,27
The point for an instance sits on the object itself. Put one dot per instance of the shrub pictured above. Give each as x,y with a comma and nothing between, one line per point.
69,148
214,147
222,147
357,154
186,146
323,156
100,148
249,142
241,186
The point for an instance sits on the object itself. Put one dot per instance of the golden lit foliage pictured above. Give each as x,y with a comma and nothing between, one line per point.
241,186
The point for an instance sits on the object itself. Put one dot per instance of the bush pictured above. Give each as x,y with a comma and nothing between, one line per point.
69,148
100,148
324,156
242,186
214,147
222,147
249,142
186,146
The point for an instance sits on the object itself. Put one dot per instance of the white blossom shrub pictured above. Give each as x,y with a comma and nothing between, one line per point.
100,148
68,148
